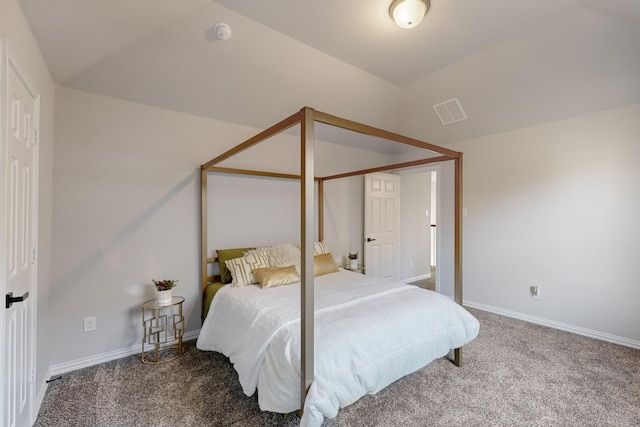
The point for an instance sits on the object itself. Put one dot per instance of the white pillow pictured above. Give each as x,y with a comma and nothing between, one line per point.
284,255
240,268
319,248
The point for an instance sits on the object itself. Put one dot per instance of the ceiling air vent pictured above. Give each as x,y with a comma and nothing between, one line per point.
450,111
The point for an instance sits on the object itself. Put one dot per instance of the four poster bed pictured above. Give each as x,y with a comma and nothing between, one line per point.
329,336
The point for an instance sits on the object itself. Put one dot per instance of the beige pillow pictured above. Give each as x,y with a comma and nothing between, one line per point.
284,255
319,248
324,264
240,268
270,277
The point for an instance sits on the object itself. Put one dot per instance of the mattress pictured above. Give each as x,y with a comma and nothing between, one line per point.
368,333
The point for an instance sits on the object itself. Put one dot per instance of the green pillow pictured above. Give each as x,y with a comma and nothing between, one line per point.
227,254
209,293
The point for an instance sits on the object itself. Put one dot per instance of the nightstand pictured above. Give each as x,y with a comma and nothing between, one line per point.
359,269
163,330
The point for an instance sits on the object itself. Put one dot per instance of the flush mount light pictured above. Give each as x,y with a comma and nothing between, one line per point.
408,13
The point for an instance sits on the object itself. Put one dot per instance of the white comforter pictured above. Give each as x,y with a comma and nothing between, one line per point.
368,333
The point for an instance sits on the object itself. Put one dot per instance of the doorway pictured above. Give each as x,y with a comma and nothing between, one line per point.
419,214
433,235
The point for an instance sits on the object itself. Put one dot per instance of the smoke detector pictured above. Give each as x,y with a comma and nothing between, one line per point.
222,31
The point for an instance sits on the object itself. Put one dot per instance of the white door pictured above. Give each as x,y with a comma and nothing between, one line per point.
18,197
381,221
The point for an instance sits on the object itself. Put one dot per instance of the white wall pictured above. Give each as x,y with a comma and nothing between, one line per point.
14,28
344,217
247,211
270,207
445,241
557,206
126,209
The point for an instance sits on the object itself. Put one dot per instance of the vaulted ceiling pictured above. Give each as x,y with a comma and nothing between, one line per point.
511,63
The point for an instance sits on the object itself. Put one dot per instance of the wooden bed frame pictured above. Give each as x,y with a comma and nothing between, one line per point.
306,118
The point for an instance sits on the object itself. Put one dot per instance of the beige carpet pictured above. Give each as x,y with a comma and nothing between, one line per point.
514,374
429,283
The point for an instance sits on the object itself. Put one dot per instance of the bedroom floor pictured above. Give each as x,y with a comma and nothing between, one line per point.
428,283
514,373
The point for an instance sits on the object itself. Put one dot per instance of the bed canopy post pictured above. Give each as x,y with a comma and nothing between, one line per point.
321,210
204,270
457,281
306,237
458,230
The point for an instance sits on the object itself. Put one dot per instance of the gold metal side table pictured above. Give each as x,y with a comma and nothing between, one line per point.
359,269
163,330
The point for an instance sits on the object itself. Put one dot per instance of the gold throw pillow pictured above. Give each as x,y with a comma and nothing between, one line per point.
270,277
324,264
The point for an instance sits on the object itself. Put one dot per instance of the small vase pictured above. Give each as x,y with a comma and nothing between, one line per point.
353,264
164,297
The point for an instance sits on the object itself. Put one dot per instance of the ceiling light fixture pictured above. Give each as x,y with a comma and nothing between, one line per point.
408,13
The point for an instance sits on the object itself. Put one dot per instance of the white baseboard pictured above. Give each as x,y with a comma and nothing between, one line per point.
85,362
190,336
415,279
43,389
40,396
556,325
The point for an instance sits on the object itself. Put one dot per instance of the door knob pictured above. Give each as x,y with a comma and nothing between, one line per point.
369,239
10,299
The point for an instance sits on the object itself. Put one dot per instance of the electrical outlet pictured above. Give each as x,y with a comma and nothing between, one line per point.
410,263
90,324
536,292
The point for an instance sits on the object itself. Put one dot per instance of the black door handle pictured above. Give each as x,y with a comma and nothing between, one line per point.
369,239
10,299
